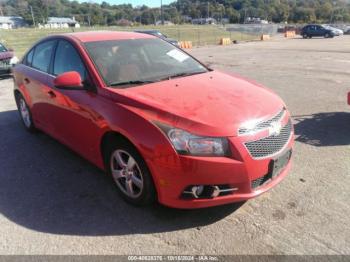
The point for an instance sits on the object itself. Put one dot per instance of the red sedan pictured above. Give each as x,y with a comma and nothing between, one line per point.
162,124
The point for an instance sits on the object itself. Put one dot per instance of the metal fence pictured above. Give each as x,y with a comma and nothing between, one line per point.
254,29
211,34
22,38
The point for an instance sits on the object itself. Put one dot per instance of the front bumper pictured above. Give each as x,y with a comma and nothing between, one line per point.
175,173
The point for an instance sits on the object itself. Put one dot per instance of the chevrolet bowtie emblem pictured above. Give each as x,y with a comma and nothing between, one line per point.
275,129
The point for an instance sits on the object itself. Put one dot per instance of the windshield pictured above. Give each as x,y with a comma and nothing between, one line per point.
137,61
2,48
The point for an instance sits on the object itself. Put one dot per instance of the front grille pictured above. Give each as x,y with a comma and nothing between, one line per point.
260,181
270,145
5,63
262,125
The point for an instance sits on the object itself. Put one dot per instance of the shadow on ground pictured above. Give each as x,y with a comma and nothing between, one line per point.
46,187
323,129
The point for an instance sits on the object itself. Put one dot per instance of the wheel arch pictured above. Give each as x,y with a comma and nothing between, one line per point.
109,136
112,135
16,93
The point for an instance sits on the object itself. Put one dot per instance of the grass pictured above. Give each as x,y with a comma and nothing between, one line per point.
21,39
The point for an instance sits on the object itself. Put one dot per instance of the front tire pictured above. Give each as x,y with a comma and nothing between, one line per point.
25,113
130,173
326,35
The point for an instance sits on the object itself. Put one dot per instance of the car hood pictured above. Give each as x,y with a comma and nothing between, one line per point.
211,104
6,55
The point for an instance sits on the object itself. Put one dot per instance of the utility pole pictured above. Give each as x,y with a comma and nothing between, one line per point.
208,9
31,11
1,12
161,12
333,7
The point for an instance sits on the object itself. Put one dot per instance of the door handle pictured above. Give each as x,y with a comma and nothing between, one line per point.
26,80
51,94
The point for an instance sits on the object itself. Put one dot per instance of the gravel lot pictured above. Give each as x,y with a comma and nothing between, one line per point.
54,202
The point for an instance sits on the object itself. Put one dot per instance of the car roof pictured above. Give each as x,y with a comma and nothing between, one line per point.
94,36
147,31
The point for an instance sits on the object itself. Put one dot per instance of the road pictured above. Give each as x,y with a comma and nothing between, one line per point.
54,202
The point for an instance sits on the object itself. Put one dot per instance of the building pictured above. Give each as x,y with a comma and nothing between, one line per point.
187,19
60,22
10,22
165,22
204,21
255,20
124,22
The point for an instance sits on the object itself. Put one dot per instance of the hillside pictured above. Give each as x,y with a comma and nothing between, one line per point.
235,11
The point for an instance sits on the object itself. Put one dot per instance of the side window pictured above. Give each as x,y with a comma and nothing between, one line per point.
29,58
67,59
42,55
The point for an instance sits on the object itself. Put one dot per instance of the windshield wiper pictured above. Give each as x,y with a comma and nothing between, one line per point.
183,74
133,82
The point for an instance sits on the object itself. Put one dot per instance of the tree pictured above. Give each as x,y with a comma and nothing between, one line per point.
92,13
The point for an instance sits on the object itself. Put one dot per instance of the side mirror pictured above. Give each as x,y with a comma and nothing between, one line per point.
69,80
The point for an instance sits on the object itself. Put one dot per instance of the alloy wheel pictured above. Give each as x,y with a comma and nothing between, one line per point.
126,173
25,113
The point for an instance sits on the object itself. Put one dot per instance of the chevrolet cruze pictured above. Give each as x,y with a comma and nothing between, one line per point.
162,124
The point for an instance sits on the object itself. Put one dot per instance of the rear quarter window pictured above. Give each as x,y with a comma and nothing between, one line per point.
29,58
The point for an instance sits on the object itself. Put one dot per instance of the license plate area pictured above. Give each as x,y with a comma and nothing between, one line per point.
277,165
5,65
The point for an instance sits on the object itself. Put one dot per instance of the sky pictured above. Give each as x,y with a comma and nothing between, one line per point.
150,3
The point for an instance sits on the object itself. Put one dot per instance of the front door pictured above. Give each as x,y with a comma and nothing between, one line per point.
75,122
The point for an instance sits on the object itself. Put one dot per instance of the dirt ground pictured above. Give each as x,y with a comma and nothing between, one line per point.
54,202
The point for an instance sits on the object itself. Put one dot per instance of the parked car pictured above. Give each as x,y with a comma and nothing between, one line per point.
160,35
316,30
337,31
7,60
162,124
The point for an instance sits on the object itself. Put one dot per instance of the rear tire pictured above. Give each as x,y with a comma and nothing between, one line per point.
305,36
25,113
130,173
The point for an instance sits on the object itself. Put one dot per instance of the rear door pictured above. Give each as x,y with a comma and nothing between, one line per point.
32,78
312,30
320,30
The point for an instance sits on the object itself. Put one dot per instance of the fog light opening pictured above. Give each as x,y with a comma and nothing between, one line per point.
197,191
216,191
207,191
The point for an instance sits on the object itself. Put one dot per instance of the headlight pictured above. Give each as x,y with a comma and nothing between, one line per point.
13,60
186,143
